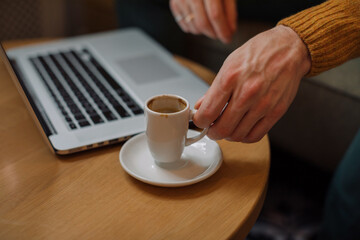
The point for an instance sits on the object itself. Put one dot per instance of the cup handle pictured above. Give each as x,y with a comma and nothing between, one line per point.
189,141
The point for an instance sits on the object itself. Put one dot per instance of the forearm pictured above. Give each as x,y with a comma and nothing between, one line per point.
331,32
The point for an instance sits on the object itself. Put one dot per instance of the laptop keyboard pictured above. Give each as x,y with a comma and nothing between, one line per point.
84,92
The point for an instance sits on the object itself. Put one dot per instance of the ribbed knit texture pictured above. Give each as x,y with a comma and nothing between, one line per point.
331,32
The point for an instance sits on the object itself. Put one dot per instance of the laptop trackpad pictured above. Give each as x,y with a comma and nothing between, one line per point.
146,69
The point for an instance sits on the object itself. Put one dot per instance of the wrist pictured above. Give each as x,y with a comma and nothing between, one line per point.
301,50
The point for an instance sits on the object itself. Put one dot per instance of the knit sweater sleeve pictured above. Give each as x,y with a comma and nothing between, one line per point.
331,32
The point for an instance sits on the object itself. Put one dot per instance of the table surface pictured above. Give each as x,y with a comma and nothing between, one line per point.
89,196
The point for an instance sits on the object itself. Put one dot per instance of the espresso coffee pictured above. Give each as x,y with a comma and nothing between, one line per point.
166,104
167,110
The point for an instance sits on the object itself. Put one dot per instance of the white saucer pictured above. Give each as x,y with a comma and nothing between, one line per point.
204,159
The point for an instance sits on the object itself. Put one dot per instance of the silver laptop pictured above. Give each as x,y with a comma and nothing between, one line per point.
89,91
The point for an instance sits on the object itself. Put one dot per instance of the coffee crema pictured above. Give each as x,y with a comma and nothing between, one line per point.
167,110
166,104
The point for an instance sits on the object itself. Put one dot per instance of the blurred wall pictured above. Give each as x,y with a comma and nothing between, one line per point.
89,16
21,19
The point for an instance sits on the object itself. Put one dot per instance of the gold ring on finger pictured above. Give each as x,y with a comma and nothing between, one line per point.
189,18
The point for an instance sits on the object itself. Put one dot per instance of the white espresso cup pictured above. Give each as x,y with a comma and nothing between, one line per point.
167,123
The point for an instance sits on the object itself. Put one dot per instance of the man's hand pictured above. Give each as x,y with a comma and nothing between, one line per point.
213,18
254,87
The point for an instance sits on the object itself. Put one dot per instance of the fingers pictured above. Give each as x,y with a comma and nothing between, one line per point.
247,124
227,123
211,105
231,13
183,15
178,15
260,129
263,126
213,18
201,20
214,102
217,17
245,108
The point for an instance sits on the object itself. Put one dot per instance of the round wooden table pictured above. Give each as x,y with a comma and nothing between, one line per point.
89,196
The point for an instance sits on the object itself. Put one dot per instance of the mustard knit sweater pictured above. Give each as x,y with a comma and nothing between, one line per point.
331,32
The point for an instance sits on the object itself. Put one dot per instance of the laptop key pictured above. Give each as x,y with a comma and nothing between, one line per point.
80,117
64,112
74,108
91,111
138,111
109,116
96,119
84,123
121,111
